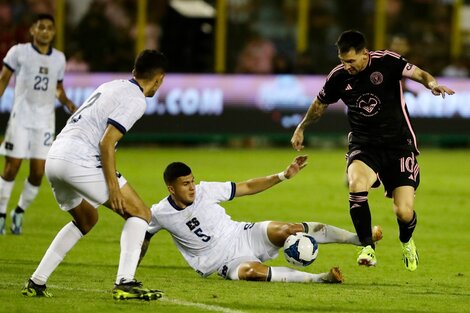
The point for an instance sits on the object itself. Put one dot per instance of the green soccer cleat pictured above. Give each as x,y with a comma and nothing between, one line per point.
16,223
367,256
31,289
134,290
410,255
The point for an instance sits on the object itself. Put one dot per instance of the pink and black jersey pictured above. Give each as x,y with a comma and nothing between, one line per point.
377,111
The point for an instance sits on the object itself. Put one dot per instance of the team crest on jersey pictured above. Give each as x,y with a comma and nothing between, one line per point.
43,70
369,104
376,78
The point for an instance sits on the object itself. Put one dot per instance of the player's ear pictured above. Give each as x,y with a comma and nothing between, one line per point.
171,190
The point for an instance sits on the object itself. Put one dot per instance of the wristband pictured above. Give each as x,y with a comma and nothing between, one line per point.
281,176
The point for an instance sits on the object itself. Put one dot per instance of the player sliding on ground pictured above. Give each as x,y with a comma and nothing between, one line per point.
211,241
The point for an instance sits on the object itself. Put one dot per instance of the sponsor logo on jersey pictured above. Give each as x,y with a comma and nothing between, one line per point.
376,78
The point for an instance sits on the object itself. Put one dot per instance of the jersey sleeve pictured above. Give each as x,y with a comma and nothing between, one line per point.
219,191
154,226
329,94
61,72
129,111
11,60
396,63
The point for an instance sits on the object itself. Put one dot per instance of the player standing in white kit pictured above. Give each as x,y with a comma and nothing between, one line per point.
81,168
39,71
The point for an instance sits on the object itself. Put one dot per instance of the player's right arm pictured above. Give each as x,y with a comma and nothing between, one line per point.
5,76
315,111
145,247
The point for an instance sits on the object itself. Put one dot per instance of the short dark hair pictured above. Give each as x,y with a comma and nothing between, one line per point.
148,63
43,16
175,170
351,39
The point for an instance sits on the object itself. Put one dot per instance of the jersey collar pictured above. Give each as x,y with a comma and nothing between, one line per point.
173,204
132,80
49,52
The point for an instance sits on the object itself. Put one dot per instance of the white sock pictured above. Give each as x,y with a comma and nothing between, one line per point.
288,275
132,237
65,239
28,194
324,233
5,192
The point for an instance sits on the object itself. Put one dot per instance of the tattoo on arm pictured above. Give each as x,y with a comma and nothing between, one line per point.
315,111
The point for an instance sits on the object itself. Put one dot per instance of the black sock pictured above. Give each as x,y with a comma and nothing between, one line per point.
361,218
19,210
407,228
3,215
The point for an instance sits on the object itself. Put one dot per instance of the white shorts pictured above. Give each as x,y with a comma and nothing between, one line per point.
71,183
26,143
252,245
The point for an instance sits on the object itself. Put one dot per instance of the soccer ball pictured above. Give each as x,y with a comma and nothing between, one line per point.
300,249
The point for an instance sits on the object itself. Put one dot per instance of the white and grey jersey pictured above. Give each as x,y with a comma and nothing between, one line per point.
201,227
119,102
37,76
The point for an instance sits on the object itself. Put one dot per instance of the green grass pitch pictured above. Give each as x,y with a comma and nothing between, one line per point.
84,280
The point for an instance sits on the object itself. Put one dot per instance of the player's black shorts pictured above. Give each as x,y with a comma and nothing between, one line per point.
394,168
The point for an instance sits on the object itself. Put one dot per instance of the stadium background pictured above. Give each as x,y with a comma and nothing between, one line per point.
242,72
219,94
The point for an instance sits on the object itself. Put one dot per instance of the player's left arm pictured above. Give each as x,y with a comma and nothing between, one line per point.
63,99
259,184
428,81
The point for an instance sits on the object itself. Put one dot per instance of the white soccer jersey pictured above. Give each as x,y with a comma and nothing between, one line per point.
119,102
36,84
201,228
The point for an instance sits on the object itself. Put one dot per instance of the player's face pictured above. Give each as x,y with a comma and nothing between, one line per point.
183,190
43,32
354,62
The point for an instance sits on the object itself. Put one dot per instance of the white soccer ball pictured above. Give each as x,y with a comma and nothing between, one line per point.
300,249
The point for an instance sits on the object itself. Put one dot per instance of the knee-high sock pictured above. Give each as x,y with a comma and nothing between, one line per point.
324,233
28,194
5,192
67,237
407,228
288,275
361,218
132,237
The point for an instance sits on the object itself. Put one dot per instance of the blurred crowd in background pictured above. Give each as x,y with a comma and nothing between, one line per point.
261,34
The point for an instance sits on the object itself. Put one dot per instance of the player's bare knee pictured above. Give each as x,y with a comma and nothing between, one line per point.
85,225
291,228
251,272
141,212
357,184
404,213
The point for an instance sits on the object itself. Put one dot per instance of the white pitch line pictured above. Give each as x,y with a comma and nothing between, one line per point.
203,306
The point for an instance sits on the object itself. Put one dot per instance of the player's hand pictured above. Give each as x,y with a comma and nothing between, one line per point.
442,90
116,201
297,139
296,166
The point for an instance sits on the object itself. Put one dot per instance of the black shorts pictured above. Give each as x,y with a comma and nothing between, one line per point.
394,168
